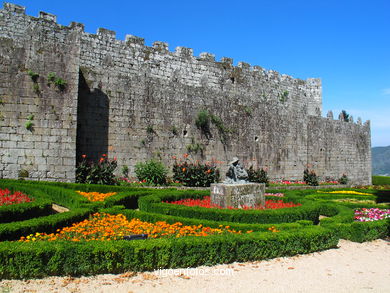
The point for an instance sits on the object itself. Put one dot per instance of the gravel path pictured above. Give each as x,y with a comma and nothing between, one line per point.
353,267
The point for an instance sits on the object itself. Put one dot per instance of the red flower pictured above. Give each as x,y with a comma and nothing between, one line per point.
83,156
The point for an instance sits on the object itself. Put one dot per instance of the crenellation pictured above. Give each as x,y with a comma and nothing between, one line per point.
205,56
117,89
77,26
227,60
160,46
48,16
14,8
244,66
130,39
106,33
184,52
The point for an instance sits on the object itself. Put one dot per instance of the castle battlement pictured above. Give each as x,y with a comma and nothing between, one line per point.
92,94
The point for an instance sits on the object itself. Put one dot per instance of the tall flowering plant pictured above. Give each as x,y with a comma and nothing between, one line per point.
195,174
101,172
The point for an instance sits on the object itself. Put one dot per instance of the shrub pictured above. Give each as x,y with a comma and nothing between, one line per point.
259,175
310,177
96,173
343,179
202,122
152,172
195,174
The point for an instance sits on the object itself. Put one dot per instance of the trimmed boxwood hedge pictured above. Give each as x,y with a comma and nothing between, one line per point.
153,203
40,259
297,232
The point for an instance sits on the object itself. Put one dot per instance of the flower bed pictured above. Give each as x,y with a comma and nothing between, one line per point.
205,202
344,192
96,196
6,198
373,214
105,227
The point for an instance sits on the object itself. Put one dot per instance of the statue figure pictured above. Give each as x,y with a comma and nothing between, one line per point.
236,173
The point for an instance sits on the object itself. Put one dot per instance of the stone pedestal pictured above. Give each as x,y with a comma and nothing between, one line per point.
238,195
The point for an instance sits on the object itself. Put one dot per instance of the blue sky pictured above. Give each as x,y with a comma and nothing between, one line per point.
345,43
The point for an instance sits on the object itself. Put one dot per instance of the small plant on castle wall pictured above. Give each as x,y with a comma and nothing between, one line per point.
222,129
57,81
51,77
248,111
195,147
29,122
345,116
150,130
283,97
60,84
174,130
34,76
202,122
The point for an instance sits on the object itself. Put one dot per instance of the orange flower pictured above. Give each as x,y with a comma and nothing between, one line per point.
184,169
185,155
83,156
208,171
102,226
95,196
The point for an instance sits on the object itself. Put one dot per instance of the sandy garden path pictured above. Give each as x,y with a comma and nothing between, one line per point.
353,267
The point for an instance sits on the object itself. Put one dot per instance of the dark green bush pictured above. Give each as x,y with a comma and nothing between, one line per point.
310,177
343,179
101,172
195,174
152,172
202,122
258,175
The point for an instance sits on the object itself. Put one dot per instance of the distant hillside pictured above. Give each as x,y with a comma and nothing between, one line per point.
381,161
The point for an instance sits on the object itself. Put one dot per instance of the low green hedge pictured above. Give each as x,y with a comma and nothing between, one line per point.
153,203
151,217
41,259
24,211
381,180
297,232
48,224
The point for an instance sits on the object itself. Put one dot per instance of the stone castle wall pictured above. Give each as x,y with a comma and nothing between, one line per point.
135,102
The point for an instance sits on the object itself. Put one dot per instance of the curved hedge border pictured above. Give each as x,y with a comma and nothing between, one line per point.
153,203
40,259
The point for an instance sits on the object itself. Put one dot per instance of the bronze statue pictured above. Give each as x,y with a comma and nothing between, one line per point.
236,172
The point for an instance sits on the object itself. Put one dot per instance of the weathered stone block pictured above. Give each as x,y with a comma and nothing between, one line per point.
238,195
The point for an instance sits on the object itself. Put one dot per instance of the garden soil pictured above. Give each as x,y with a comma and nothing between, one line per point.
352,267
